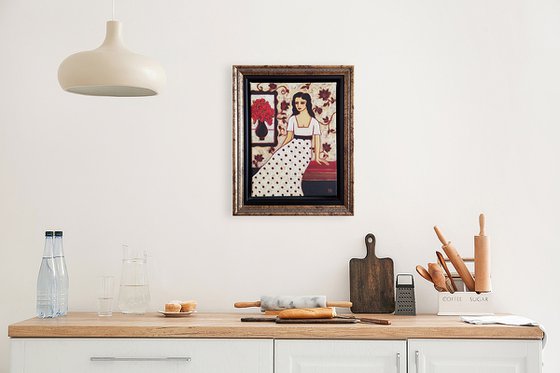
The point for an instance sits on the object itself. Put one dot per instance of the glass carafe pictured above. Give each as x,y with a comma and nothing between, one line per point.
134,294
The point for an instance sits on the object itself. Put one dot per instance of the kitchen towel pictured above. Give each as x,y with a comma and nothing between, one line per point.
504,320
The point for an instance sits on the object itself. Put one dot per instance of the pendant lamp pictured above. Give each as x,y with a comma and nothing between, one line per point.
111,69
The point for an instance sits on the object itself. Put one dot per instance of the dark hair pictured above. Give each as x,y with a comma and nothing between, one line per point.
307,98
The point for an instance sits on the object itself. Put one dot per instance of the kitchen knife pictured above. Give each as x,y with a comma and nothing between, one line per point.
368,320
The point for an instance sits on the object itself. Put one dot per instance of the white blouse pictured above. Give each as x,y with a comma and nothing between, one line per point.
312,129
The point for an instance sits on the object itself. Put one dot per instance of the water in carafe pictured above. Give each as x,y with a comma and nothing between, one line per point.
134,294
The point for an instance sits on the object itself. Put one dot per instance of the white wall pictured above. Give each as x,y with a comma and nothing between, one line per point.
456,112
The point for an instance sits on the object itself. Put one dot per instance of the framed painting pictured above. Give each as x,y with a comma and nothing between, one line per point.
293,140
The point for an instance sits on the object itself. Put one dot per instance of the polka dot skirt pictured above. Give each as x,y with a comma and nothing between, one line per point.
281,176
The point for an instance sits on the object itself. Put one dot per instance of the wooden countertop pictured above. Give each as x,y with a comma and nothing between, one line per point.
228,325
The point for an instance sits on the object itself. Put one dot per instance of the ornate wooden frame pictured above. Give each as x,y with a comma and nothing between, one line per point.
344,204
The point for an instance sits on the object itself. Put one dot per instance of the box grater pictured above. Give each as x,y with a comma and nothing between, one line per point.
406,303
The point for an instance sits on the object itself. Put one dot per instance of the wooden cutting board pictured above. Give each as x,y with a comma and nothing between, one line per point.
299,321
372,282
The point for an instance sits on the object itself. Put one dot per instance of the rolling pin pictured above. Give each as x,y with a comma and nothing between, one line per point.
456,260
279,303
482,282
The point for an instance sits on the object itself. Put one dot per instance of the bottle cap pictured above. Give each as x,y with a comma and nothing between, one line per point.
58,233
48,233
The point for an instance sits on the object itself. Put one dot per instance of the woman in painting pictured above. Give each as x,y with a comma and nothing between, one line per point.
282,175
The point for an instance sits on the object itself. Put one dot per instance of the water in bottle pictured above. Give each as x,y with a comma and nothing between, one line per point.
46,281
61,275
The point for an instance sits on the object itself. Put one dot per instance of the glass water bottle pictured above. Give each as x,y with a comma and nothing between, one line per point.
46,281
61,275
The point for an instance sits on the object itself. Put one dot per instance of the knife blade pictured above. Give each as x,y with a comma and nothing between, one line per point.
366,320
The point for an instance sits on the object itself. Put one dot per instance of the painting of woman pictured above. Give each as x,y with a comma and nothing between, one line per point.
282,174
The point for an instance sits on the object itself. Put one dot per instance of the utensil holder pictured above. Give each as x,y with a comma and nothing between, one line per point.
465,303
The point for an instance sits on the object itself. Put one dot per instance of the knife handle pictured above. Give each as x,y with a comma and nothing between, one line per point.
258,319
375,321
247,304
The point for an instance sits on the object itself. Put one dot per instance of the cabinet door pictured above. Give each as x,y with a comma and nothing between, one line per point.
328,356
114,355
480,356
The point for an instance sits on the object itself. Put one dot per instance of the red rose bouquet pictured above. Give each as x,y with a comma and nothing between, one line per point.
262,111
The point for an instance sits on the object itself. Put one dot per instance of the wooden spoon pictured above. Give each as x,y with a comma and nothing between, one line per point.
449,278
426,275
437,276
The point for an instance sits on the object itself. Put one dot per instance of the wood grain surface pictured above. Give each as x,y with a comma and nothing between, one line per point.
372,282
229,325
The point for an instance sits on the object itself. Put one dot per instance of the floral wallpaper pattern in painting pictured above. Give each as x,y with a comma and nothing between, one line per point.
323,96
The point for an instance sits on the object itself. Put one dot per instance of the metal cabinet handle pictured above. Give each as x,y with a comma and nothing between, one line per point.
398,362
417,360
113,358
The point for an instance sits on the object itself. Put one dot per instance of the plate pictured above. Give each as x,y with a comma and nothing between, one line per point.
176,314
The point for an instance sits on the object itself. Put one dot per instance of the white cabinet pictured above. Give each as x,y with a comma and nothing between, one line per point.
143,355
330,356
480,356
108,355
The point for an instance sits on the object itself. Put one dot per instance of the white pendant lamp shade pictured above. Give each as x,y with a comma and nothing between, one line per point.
111,70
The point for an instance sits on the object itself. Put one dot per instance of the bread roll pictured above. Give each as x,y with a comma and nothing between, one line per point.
188,305
172,307
308,313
